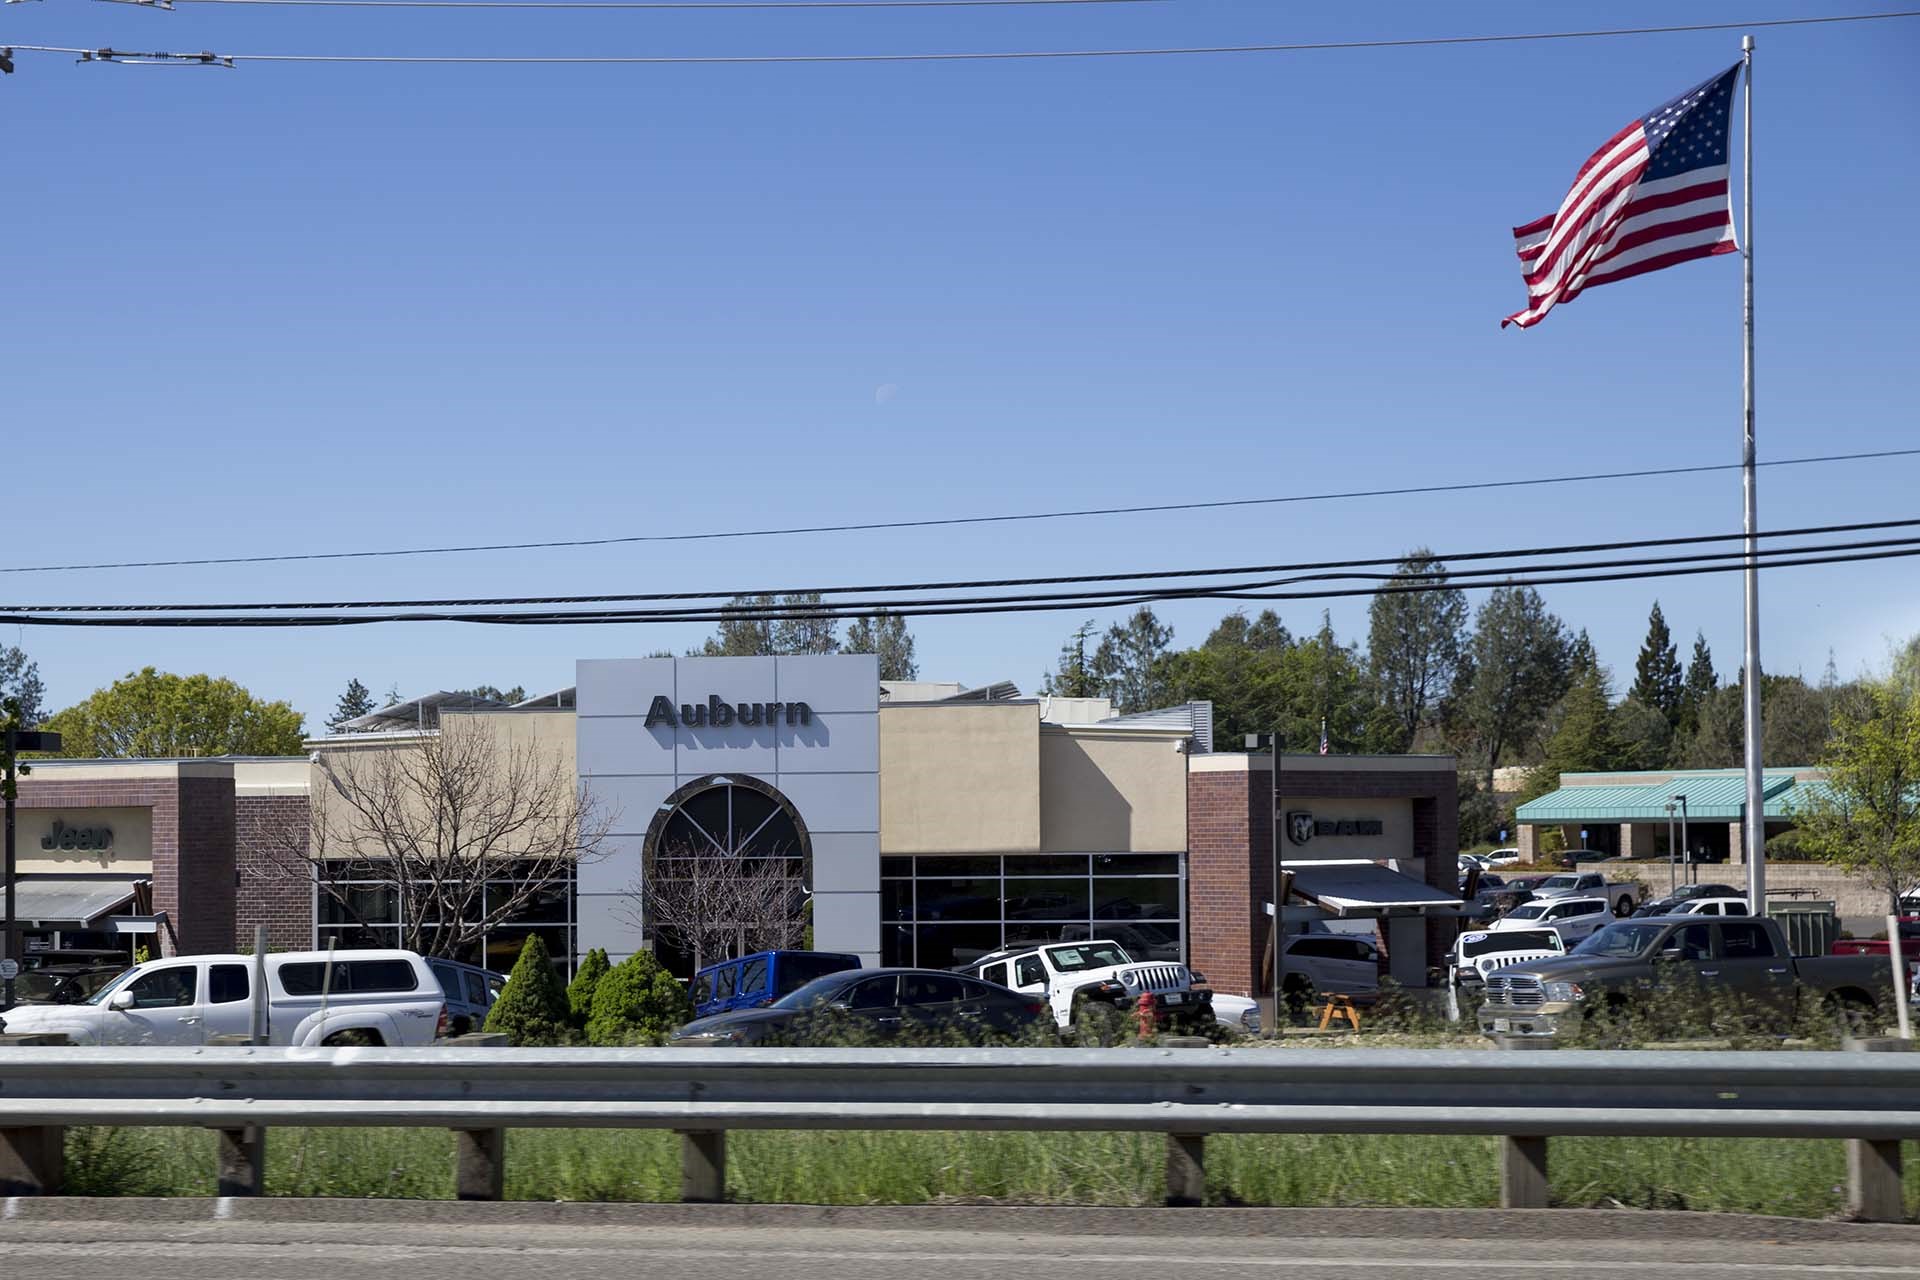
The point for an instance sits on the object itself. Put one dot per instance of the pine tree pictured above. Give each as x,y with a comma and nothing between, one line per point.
357,701
1585,741
585,980
1657,680
1695,694
885,635
1127,664
637,1002
20,681
1414,641
1073,677
533,1009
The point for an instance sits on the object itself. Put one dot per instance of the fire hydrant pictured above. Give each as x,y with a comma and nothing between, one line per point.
1144,1014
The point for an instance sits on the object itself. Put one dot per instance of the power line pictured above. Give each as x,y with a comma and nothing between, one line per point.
1033,605
1310,570
717,5
113,55
950,521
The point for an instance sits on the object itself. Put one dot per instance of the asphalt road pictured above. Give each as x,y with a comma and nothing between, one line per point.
468,1246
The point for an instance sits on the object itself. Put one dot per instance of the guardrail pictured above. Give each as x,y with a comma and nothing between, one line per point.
1870,1100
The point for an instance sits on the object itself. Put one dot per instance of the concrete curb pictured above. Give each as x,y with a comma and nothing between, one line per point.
1583,1224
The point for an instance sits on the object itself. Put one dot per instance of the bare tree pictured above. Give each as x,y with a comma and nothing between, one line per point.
711,903
426,822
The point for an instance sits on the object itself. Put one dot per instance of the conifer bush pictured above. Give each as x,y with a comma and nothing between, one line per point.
533,1009
637,1002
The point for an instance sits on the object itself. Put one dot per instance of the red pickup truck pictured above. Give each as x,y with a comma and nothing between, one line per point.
1909,943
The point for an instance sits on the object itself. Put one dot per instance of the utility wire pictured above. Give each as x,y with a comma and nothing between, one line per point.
637,4
111,55
1307,570
948,521
603,617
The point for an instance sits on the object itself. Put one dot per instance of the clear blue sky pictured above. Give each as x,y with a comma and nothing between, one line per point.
297,307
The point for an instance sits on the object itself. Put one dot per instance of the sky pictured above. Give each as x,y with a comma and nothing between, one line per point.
295,308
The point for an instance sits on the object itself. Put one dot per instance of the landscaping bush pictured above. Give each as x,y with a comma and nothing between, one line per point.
637,1002
585,980
533,1008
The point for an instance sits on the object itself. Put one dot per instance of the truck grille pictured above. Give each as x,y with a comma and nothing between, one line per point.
1518,993
1157,977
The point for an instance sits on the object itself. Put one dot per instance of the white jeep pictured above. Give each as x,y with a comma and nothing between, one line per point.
1094,986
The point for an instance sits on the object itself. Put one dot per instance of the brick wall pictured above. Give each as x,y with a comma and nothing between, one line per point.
281,898
195,885
1230,859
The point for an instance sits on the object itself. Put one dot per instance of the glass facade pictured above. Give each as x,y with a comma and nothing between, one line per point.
371,916
942,911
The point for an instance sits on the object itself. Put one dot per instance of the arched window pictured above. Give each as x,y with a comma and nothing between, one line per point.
726,871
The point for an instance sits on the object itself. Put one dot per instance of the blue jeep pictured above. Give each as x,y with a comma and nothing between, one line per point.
755,981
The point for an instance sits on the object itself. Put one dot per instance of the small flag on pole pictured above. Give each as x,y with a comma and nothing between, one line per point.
1323,735
1654,195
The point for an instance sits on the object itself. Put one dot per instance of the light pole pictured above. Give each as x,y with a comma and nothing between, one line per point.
1692,875
1673,874
15,741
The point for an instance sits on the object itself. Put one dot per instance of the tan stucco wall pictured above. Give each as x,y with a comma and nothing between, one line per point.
548,733
1112,792
959,778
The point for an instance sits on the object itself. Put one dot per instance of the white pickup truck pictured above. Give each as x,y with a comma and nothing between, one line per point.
361,998
1092,986
1625,895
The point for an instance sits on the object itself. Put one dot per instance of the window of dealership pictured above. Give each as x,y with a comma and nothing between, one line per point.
940,912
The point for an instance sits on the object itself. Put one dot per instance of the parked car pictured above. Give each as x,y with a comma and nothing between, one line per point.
1503,858
362,997
1713,907
1666,906
1239,1012
1624,895
1090,984
470,991
757,980
1572,918
76,955
1142,941
1481,951
1630,960
877,1004
64,983
1328,963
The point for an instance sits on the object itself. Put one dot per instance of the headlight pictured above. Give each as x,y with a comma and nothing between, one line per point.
1563,992
1251,1021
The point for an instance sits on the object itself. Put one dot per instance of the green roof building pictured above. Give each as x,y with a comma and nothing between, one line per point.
1629,813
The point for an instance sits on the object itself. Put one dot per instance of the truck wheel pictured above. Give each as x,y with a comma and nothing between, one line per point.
360,1037
1097,1025
1852,1013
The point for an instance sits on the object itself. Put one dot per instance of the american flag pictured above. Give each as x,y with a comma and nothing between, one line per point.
1654,195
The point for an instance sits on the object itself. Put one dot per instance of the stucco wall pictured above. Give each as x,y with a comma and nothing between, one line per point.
960,778
1108,792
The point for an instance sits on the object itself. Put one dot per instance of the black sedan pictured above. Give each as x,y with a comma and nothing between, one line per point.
875,1006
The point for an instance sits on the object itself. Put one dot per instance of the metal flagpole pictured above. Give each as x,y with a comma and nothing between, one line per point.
1754,828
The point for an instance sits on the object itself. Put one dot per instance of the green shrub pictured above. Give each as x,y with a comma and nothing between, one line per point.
637,1002
533,1008
585,979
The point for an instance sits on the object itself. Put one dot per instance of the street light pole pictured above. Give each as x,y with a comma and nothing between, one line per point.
1673,875
1693,876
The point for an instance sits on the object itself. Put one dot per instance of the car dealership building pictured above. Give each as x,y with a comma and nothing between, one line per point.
934,823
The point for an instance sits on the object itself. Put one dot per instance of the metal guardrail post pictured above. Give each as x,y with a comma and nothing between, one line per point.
1186,1169
480,1164
1523,1173
33,1161
1876,1191
242,1161
703,1166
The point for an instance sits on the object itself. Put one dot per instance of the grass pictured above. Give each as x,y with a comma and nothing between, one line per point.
1768,1176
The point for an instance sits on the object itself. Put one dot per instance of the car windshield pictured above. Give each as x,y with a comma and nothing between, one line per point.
1620,939
1088,955
41,986
1479,944
103,994
1531,911
819,991
1560,882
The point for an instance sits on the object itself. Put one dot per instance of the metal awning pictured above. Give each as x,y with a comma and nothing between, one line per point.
1720,797
1366,889
68,903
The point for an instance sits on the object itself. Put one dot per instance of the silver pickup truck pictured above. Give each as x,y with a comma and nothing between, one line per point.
1744,959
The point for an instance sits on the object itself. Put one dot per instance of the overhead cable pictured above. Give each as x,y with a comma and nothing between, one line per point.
1312,571
605,617
1005,55
949,521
